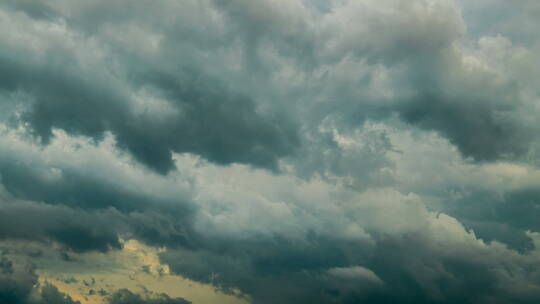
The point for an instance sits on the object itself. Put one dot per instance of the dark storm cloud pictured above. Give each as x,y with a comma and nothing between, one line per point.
211,120
299,89
479,130
436,89
269,270
51,295
83,211
18,285
214,123
218,125
500,216
76,229
406,269
80,230
31,180
124,296
478,116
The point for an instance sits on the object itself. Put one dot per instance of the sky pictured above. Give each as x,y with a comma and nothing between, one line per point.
295,151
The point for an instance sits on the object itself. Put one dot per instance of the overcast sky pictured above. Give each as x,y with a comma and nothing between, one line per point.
289,152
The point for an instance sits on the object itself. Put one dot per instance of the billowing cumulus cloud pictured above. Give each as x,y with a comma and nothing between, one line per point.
298,151
18,282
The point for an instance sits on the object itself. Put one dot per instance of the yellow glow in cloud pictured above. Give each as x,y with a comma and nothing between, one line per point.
90,277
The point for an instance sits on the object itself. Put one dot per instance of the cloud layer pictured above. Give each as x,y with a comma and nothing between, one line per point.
282,151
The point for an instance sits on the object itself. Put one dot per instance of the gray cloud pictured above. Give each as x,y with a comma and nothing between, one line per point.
211,120
124,296
80,107
299,151
79,231
439,90
18,285
407,269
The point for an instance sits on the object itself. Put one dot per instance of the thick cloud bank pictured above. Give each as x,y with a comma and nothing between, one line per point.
18,285
297,151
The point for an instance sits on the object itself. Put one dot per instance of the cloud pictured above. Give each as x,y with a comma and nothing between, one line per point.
124,296
40,222
421,256
290,152
355,273
18,285
86,98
